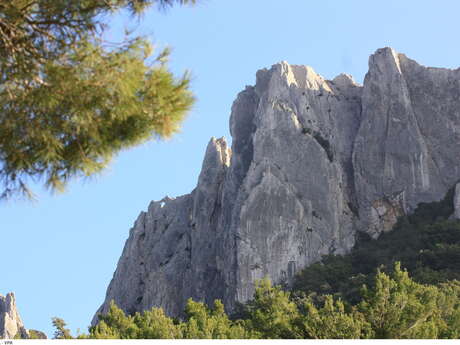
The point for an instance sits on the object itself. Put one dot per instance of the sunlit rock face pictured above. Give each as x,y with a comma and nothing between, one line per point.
408,141
312,162
10,322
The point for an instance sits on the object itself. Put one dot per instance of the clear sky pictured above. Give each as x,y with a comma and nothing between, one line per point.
59,254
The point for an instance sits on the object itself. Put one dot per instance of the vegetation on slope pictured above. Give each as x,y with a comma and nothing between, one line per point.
426,243
365,294
395,307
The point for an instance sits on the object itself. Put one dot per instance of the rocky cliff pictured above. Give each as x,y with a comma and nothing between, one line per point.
312,162
10,321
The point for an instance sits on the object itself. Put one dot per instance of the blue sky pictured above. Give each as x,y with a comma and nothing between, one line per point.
60,252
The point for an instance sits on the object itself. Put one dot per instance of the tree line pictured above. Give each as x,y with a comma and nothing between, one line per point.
395,307
364,294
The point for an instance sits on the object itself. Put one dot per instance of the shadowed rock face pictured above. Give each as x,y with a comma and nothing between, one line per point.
312,162
10,321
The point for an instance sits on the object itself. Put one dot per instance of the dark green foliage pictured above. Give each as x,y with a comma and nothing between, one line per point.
426,243
322,277
271,314
201,322
361,295
394,306
430,212
68,101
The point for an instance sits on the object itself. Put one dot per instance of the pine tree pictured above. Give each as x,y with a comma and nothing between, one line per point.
154,324
68,101
205,323
115,325
271,314
398,307
394,307
331,321
61,332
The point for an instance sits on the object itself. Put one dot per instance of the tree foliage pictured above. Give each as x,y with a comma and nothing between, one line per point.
427,243
201,322
271,314
394,307
400,308
69,101
61,332
331,321
363,295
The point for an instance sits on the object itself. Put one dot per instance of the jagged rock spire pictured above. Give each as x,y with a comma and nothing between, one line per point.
10,321
312,162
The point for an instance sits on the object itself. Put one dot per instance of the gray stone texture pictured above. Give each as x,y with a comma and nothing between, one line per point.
312,162
457,202
407,144
10,321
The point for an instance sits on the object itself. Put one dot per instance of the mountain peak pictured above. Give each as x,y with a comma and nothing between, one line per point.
313,162
10,321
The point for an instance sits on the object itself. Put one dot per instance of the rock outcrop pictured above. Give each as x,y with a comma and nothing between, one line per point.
407,144
10,322
312,162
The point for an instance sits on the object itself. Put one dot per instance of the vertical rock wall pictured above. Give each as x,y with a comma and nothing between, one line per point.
312,162
10,321
406,150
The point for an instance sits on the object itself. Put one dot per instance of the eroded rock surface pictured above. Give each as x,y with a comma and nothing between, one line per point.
10,321
409,136
312,162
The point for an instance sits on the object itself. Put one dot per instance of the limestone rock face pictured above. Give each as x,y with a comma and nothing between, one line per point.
312,162
10,321
407,144
173,250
